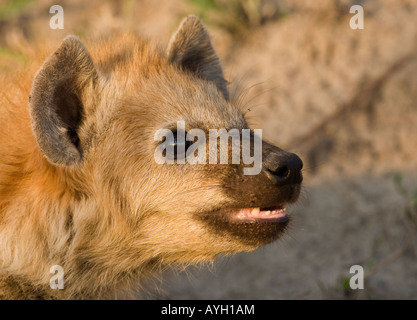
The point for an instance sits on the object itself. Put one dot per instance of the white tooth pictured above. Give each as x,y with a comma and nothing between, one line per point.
268,212
255,211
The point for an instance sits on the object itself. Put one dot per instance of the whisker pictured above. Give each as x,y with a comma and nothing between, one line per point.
197,189
241,103
257,96
238,83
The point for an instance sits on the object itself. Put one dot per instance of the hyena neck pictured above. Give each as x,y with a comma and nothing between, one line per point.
16,288
49,212
35,222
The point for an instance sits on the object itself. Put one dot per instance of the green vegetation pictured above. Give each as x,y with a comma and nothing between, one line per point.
11,59
410,198
237,16
12,54
11,7
345,281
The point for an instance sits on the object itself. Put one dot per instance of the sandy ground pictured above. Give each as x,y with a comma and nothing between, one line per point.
344,99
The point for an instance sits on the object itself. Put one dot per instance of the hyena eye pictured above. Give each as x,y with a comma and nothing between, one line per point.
179,144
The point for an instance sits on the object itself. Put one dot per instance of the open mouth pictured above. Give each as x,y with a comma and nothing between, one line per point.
252,226
272,214
255,220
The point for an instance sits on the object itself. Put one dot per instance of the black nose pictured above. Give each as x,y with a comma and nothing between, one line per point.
283,168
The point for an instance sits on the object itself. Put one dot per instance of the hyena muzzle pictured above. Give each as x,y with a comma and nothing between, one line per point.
90,196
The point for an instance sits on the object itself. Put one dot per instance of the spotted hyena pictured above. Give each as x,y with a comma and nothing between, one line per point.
79,184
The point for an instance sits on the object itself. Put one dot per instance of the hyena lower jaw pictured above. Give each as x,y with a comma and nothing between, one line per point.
81,192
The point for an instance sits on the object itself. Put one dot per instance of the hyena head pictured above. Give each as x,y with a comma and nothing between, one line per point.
95,117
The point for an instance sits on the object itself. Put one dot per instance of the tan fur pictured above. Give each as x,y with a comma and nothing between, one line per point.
109,215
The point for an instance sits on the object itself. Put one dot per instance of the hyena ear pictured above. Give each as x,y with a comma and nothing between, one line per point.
60,91
191,48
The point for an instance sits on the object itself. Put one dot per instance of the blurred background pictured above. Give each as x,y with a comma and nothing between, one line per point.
345,100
